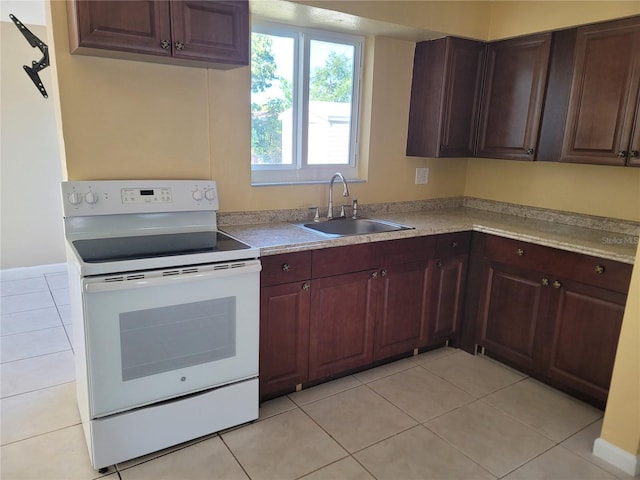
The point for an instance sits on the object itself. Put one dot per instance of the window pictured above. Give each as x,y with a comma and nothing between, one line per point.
305,90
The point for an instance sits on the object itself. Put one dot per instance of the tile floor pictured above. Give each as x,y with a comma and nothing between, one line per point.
440,415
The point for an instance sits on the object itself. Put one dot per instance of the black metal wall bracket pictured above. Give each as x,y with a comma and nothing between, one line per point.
35,67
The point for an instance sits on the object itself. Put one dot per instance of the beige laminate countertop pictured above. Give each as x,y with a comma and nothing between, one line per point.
283,237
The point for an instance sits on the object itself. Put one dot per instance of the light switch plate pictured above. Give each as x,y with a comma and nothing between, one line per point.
422,176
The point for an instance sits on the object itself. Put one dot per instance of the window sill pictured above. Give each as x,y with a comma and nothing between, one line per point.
302,182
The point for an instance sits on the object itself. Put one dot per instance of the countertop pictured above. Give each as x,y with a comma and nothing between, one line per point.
605,238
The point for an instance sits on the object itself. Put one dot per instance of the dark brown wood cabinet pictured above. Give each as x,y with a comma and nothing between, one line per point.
402,315
285,299
211,31
603,119
445,97
582,346
341,323
446,293
512,310
553,314
368,303
330,311
513,97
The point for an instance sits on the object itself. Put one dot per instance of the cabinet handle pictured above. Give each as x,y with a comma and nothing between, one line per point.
544,282
599,269
374,275
520,252
634,154
165,44
439,264
530,151
454,244
306,286
383,272
622,153
179,46
556,284
286,267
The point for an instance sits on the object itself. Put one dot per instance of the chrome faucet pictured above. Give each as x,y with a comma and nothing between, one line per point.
345,192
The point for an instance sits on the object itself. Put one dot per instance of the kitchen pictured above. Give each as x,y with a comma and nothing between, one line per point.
185,137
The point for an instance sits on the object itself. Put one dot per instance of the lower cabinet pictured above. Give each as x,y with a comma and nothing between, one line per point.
582,346
341,324
285,297
552,314
512,314
447,282
401,313
327,312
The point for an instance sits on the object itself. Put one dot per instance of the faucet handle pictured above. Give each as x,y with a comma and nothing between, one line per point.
343,210
316,214
354,207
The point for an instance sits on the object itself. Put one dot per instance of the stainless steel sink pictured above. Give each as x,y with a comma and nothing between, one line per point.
341,227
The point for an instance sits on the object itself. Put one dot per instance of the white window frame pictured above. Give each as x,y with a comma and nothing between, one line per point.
300,171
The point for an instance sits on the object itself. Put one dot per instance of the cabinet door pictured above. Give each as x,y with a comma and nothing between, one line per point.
604,90
513,309
139,26
513,94
582,351
448,276
634,146
341,323
213,31
402,309
284,337
445,95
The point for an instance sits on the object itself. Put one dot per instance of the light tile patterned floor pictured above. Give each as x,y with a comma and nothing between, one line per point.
440,415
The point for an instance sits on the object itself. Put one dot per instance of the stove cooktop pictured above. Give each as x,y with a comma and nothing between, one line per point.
101,250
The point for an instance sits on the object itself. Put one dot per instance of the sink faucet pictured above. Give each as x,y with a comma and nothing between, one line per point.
345,192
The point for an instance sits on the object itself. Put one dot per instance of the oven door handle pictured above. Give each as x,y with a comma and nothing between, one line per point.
157,279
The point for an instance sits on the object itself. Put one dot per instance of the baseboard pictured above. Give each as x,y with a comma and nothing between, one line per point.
619,458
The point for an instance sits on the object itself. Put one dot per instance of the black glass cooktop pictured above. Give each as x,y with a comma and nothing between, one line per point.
149,246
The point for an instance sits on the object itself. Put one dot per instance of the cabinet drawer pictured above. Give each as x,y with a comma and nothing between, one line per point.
451,244
519,253
285,268
367,256
590,270
599,272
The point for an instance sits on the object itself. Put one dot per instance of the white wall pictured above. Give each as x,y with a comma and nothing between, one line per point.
31,231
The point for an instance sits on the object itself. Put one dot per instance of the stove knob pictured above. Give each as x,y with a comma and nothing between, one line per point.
75,198
210,194
197,195
91,198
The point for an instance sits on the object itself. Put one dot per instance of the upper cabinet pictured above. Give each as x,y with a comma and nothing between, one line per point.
445,95
603,120
212,32
566,96
513,97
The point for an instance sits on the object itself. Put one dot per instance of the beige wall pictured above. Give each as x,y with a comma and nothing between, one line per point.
30,169
621,425
588,189
510,19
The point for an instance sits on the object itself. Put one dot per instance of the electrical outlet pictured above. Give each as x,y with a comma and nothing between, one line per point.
422,176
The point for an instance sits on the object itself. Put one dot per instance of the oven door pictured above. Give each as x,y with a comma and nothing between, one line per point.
154,335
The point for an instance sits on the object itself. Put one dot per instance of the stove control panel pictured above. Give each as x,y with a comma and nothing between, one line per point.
109,197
